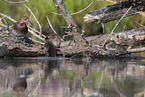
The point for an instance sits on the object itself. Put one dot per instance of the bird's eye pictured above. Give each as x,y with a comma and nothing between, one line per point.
26,19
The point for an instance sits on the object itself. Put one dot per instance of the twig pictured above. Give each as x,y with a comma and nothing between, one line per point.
78,11
103,27
136,50
3,25
37,32
38,36
8,17
116,26
36,41
139,24
53,28
35,19
17,2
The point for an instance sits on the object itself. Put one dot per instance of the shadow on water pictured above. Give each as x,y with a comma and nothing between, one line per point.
65,78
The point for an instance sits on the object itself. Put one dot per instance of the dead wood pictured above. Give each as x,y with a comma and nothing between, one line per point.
129,39
115,11
116,45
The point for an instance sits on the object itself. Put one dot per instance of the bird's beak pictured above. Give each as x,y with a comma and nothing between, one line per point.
29,22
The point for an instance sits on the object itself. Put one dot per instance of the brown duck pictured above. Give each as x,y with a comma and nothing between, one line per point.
49,48
20,28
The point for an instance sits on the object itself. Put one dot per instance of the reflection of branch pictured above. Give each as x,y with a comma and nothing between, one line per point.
115,85
38,85
100,80
78,11
53,29
17,2
35,19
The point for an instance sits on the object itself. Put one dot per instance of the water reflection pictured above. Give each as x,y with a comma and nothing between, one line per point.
19,86
64,78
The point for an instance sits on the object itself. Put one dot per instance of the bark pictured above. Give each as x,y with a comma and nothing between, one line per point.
72,28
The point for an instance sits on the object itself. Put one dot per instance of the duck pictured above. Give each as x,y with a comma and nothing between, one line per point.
55,39
49,48
20,28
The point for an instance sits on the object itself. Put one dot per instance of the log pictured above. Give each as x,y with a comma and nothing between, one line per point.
131,38
10,46
116,11
115,45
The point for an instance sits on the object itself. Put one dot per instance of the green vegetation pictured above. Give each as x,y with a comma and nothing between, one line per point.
69,74
43,8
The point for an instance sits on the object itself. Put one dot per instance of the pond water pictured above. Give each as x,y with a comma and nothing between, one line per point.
59,77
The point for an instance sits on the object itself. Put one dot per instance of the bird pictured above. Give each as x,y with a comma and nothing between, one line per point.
20,28
49,48
55,39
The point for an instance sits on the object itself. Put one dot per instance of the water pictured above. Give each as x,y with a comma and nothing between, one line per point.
47,77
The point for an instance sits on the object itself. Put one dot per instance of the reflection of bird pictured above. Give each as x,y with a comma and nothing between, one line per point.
83,57
20,28
49,48
20,85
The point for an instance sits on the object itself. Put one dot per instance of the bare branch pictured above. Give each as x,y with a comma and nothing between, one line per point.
78,11
38,36
36,31
83,9
136,50
35,19
17,2
36,41
8,17
53,29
